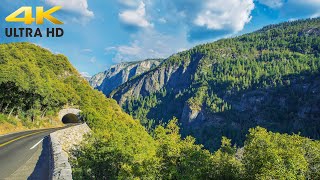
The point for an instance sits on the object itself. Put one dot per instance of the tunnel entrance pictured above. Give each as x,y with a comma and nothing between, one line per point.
70,118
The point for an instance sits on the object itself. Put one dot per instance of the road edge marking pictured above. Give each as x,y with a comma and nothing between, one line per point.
18,138
36,144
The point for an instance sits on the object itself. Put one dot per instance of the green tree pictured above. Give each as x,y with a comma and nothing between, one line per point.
274,156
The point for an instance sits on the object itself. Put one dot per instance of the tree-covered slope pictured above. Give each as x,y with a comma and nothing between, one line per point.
34,83
269,78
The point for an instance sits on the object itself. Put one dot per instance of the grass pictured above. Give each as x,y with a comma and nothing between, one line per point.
13,124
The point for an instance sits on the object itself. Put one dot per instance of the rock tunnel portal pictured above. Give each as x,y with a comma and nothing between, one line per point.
70,118
70,115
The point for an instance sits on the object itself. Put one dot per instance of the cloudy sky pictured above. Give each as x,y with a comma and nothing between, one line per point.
101,33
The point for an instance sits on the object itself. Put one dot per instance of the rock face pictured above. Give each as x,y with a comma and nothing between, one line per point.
62,142
118,74
164,76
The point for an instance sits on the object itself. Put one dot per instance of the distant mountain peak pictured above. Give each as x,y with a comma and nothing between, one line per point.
120,73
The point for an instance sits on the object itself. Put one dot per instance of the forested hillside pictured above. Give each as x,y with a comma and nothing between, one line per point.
36,83
268,78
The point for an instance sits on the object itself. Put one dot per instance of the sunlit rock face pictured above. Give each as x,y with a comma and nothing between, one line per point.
118,74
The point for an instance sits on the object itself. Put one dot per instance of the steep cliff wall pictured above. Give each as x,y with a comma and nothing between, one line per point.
118,74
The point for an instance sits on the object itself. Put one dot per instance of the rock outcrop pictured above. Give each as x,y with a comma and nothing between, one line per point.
169,75
118,74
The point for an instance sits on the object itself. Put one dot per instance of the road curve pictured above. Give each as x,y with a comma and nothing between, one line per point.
20,149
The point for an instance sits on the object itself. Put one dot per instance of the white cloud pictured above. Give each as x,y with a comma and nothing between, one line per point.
135,17
149,44
295,9
272,3
162,20
312,5
93,60
87,50
126,52
202,19
109,49
225,15
301,8
129,50
130,3
315,3
75,6
182,18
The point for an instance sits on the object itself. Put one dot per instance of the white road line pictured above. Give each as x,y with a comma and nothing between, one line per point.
36,144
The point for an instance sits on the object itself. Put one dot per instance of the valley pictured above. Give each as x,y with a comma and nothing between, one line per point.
267,78
245,107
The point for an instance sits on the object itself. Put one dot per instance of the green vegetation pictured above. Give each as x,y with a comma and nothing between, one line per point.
265,78
275,156
266,155
35,84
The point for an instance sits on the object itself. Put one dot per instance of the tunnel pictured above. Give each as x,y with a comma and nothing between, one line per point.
70,118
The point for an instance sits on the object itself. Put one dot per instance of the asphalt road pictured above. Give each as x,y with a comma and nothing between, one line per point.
25,154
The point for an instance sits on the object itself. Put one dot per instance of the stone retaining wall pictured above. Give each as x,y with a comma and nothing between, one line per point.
61,143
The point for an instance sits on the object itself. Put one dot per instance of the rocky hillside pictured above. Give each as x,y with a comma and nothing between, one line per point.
268,78
118,74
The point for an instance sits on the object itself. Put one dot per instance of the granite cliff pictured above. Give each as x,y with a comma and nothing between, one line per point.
112,78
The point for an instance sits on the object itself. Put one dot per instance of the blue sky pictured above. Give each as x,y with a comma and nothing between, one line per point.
101,33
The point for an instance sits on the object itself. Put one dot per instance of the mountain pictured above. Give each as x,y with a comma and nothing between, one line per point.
268,78
34,84
118,74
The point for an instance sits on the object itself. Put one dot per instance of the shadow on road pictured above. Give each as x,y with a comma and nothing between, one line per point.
41,170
